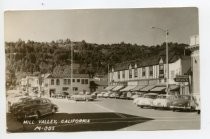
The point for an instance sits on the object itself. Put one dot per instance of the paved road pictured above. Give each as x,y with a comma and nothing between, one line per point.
112,114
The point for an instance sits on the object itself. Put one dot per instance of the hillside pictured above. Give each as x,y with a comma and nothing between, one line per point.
43,57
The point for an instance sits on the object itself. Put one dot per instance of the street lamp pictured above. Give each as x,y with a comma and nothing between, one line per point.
167,65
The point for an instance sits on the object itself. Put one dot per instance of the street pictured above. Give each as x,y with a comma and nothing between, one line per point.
105,115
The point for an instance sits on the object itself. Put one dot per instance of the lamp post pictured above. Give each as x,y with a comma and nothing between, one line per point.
167,65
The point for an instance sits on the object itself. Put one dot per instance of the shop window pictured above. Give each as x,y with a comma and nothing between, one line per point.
75,88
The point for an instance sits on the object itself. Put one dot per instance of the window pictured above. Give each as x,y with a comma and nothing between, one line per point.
73,80
75,88
172,74
150,71
83,81
69,81
161,71
118,73
135,72
65,88
65,81
78,80
57,82
143,72
52,81
130,73
86,81
123,74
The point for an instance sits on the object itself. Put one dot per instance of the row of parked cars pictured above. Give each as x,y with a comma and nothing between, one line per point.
117,95
81,96
163,101
25,107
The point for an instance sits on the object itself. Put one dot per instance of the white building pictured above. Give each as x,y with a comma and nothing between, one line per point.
64,84
145,75
30,85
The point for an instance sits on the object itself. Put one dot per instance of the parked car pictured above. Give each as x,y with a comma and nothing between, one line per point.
147,100
58,96
107,94
100,95
163,101
184,102
84,97
21,101
35,108
136,100
136,95
123,95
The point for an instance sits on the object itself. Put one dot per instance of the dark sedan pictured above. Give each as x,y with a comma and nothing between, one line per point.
183,102
34,108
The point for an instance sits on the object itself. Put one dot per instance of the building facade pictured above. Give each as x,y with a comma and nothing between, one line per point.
150,72
195,64
65,85
30,85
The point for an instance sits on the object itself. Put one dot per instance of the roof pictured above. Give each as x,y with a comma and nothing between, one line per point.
63,75
101,82
150,61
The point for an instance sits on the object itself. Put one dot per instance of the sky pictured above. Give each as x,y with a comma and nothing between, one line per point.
103,26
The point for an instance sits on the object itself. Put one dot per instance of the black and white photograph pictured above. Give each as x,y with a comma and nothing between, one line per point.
111,69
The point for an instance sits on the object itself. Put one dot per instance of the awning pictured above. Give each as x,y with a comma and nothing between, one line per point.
147,88
139,87
109,88
128,88
174,87
158,89
117,88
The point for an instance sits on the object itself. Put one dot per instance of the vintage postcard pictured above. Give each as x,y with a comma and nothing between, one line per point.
129,69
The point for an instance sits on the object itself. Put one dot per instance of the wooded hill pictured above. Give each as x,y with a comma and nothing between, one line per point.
43,57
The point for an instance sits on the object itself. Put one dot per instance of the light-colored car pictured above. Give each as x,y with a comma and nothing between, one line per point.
163,101
100,95
107,94
84,97
137,100
147,100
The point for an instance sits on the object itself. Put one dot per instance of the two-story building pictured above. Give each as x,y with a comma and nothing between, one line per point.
149,75
61,83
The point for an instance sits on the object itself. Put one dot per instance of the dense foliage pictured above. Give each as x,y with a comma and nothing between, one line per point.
43,57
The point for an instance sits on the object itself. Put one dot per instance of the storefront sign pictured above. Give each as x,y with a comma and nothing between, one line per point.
182,78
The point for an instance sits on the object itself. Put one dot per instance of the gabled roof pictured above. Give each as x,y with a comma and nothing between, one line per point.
150,61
